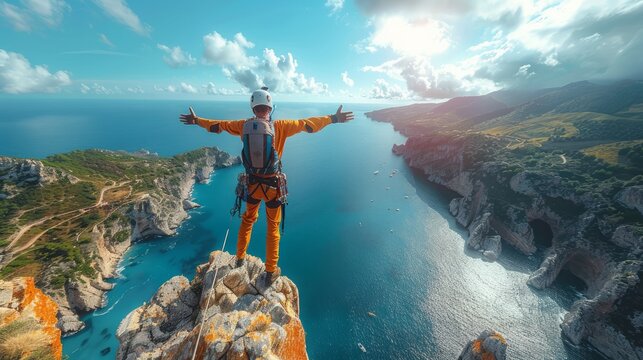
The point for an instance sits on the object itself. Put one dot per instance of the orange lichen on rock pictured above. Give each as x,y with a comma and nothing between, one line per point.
23,303
295,345
476,347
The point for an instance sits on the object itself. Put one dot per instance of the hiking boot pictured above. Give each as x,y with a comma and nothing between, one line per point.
272,276
240,262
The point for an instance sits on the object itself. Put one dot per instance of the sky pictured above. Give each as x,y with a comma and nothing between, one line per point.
325,51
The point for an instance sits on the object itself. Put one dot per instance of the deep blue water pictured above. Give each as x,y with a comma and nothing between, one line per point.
355,242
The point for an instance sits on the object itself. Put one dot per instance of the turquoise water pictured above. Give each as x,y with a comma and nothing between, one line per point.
347,247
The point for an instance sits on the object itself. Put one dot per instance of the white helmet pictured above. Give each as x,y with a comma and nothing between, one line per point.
261,97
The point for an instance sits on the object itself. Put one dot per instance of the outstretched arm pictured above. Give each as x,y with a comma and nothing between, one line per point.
234,127
314,124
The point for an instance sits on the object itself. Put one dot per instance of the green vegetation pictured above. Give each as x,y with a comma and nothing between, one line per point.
121,236
68,211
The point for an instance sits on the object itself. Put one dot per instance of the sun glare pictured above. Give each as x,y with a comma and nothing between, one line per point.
420,37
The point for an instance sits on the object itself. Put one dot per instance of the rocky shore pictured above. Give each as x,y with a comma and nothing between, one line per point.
502,200
245,319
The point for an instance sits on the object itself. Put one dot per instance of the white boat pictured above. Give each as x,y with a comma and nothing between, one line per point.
376,172
361,347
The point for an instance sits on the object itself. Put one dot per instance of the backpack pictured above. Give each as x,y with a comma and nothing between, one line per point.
259,155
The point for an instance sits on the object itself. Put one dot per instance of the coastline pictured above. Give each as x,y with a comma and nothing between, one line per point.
610,280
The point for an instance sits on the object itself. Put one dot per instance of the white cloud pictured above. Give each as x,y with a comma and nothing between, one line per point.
415,7
347,80
419,37
120,11
50,11
187,88
523,71
383,90
335,5
175,57
17,76
135,90
169,88
279,72
527,43
16,16
99,89
25,18
105,40
220,51
211,89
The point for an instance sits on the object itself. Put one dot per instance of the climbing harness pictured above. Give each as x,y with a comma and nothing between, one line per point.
214,279
278,181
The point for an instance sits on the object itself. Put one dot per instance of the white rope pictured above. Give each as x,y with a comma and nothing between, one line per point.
207,304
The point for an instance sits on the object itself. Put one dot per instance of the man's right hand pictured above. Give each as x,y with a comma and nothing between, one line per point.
188,119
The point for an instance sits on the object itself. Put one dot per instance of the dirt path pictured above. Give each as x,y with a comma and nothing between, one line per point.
17,236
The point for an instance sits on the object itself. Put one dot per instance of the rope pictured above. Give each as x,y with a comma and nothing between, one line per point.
207,304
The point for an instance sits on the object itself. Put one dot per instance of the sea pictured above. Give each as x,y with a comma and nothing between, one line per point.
363,233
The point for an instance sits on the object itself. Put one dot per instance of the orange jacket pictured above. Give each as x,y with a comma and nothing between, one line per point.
283,128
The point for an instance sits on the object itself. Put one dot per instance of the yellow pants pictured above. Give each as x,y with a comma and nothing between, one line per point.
273,218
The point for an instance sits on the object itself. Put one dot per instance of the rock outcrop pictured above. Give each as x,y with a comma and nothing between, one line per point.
27,322
18,173
245,318
489,345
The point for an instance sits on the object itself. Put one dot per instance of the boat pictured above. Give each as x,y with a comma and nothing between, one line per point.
376,172
371,314
361,347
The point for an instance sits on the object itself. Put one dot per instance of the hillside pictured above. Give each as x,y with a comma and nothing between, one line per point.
66,220
566,159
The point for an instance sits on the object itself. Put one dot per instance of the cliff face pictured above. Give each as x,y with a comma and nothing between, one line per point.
245,318
607,259
523,168
27,322
156,213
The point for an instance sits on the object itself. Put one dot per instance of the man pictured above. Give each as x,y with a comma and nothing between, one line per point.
263,166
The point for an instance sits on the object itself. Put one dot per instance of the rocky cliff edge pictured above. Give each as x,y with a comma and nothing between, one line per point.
245,318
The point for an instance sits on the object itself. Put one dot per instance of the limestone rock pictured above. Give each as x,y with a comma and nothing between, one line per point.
27,322
188,205
632,197
244,318
628,236
489,344
30,172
